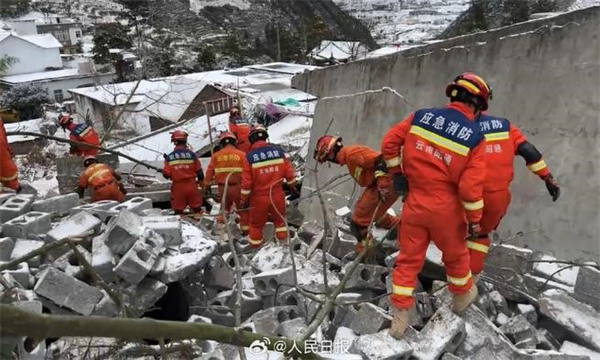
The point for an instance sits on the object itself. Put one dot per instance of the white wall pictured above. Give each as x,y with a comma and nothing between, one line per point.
67,84
31,58
72,35
23,27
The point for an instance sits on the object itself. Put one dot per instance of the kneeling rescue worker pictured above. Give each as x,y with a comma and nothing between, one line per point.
443,163
503,141
103,180
369,170
81,133
228,160
184,168
9,174
265,168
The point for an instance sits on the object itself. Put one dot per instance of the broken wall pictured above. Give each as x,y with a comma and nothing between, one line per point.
546,76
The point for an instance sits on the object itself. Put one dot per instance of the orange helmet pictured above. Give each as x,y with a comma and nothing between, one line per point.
89,160
327,147
64,120
474,85
258,133
179,135
227,138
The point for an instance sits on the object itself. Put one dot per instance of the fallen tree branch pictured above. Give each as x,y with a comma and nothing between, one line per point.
18,322
327,230
37,252
509,287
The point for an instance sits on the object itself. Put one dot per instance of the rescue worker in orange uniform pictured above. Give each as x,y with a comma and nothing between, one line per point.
9,174
81,133
266,166
368,169
240,128
103,180
228,160
437,156
184,168
503,142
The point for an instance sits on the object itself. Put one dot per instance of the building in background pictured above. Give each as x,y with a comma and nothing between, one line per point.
337,52
66,31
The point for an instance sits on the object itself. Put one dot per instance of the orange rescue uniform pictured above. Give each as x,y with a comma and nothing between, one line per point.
228,160
241,130
84,134
9,174
502,143
183,167
265,168
104,183
443,159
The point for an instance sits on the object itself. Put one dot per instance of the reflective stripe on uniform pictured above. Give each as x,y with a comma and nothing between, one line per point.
98,173
393,162
245,227
537,166
459,281
84,132
255,242
497,136
477,247
267,163
228,170
182,162
357,172
379,173
472,206
403,290
439,140
245,192
9,178
281,229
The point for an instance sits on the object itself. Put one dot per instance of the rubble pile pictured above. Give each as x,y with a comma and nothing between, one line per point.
531,306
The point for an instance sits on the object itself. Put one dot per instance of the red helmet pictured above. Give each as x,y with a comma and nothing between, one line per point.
326,147
472,84
227,138
65,119
258,133
89,160
179,135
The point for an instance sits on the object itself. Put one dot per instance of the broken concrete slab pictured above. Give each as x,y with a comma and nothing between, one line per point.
341,246
546,341
587,286
370,319
267,321
143,295
31,223
180,266
291,329
271,257
67,291
69,262
103,261
6,248
100,209
251,302
106,306
520,331
367,277
509,256
576,349
136,205
268,282
218,274
60,204
23,247
169,227
529,312
310,275
443,333
579,320
74,226
20,273
15,206
381,346
136,263
123,231
543,266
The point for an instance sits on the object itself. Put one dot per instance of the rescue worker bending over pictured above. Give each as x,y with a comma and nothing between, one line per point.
240,128
103,180
228,160
503,142
9,174
184,168
368,169
443,160
81,133
265,168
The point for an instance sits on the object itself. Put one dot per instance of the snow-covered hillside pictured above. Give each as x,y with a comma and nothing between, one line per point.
405,21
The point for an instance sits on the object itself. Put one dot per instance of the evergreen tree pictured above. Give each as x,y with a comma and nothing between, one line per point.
109,36
26,99
515,11
207,59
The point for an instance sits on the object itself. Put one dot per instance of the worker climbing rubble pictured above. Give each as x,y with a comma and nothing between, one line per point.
102,179
226,167
437,157
9,174
81,133
266,166
184,169
239,127
503,141
369,170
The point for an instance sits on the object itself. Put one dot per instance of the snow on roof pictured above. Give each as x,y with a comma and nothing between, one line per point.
291,130
29,125
30,16
339,50
580,4
43,75
46,41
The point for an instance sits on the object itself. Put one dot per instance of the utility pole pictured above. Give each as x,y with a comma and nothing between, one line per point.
278,42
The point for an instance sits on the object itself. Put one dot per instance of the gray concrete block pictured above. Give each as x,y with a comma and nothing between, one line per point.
508,256
291,329
142,296
341,246
269,232
123,231
159,267
220,316
136,205
5,196
519,330
367,277
267,321
546,341
23,247
106,306
136,263
218,274
267,282
100,209
529,312
571,348
67,291
370,319
180,266
443,333
169,227
58,204
103,261
449,356
381,346
31,223
69,262
251,302
587,286
492,303
6,248
558,272
20,273
578,320
390,260
74,226
15,206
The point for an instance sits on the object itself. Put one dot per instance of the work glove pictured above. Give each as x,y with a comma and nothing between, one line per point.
384,184
552,186
400,184
474,230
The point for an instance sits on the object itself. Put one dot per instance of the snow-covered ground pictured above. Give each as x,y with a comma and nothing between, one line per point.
405,21
580,4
